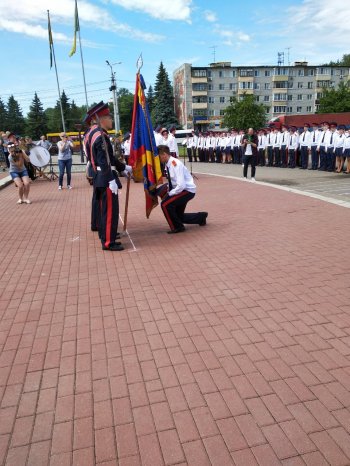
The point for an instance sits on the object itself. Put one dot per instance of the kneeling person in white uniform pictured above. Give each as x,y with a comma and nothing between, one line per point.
181,190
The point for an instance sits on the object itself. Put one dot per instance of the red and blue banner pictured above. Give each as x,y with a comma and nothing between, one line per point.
143,150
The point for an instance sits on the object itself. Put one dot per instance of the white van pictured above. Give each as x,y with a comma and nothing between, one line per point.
180,135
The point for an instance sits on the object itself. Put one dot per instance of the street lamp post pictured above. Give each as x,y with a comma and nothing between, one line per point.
113,88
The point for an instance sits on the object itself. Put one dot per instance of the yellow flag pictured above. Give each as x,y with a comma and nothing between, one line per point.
76,28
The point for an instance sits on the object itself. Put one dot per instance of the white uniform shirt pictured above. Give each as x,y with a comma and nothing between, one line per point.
276,139
325,139
181,178
200,142
314,138
293,141
164,142
346,143
126,147
173,144
285,138
269,139
305,139
261,141
210,142
339,141
158,138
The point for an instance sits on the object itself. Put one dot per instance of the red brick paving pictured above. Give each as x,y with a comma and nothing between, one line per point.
225,345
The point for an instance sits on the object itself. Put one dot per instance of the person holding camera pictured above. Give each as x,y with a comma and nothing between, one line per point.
19,173
65,160
250,151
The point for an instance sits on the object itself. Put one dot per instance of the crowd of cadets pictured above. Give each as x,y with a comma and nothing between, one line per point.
327,144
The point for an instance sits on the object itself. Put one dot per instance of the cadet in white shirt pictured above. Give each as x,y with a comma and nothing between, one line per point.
165,137
210,146
276,139
339,148
284,145
188,143
235,146
323,142
181,190
174,150
330,160
200,147
157,136
269,147
305,146
314,139
292,146
194,146
346,152
261,148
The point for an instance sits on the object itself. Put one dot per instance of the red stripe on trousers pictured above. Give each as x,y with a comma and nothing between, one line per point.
168,201
109,206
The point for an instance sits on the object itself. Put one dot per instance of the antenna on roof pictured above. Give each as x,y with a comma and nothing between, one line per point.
288,49
214,47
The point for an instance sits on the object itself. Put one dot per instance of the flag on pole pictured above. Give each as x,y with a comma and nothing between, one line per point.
50,36
143,150
76,29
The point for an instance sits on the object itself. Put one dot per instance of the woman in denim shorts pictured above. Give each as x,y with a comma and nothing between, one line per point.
19,173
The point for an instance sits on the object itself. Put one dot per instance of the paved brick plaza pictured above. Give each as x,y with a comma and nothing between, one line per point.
225,345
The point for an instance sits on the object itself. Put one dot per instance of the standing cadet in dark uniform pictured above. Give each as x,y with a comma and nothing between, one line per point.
181,190
106,181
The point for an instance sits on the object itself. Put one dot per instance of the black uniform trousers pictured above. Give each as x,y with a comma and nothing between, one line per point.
292,158
314,158
323,158
277,156
269,156
95,211
330,159
249,159
173,208
284,156
189,154
194,153
236,154
261,157
109,205
304,156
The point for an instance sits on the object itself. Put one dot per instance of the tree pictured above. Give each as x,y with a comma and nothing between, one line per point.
36,123
335,100
15,120
150,98
125,106
345,61
75,115
163,111
55,119
245,113
3,116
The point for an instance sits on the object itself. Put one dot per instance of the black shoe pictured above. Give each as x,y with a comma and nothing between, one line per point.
113,247
118,236
204,219
177,230
94,229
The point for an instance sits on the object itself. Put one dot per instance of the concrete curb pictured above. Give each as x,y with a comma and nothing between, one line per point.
5,182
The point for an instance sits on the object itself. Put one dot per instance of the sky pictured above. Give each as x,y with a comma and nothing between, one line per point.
171,31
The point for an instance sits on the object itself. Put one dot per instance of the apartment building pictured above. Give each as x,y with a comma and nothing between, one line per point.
203,92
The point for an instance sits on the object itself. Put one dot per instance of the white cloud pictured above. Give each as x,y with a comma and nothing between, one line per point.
232,37
210,16
242,36
159,9
31,19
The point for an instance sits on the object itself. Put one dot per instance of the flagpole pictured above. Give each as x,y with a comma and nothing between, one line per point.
82,66
58,84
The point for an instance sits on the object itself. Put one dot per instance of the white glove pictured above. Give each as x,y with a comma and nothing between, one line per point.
128,169
113,187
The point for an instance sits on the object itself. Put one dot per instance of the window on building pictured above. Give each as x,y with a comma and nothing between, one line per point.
292,72
309,109
311,72
210,87
256,73
289,109
280,71
199,73
267,109
220,74
310,85
309,96
290,96
300,97
279,109
233,86
222,100
233,73
199,86
222,112
257,86
221,87
246,73
319,95
299,109
280,96
211,112
209,73
267,73
266,98
211,100
324,83
246,85
322,70
300,72
300,85
199,99
267,86
199,112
